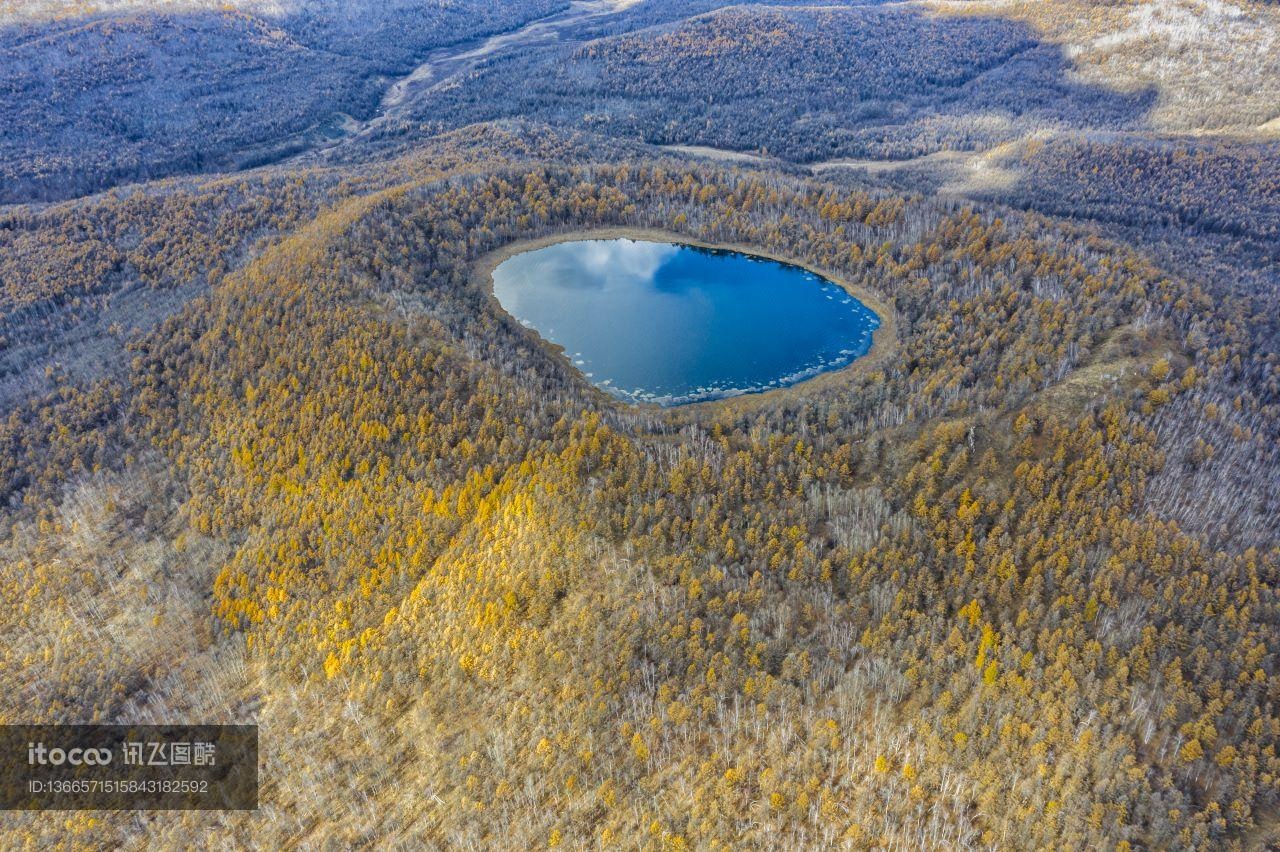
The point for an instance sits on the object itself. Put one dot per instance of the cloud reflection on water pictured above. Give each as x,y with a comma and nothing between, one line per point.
670,324
593,264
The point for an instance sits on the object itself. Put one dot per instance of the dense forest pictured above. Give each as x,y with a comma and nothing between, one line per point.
806,84
104,94
1222,188
122,97
273,454
952,602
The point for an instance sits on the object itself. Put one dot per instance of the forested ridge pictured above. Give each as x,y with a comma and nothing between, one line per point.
1216,188
114,96
808,84
939,605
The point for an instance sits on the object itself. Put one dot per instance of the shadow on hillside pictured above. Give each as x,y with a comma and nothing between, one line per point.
91,102
807,85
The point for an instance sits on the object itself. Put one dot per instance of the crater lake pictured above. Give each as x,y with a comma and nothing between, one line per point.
670,324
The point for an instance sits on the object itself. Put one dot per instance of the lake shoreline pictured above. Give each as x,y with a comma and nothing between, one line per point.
884,339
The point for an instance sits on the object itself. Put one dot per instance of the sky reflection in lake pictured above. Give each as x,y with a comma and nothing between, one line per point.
671,324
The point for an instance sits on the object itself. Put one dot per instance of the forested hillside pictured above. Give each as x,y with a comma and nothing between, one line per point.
806,84
936,606
123,95
1229,189
1216,64
274,454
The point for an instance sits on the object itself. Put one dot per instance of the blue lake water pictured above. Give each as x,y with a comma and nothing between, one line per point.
672,324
